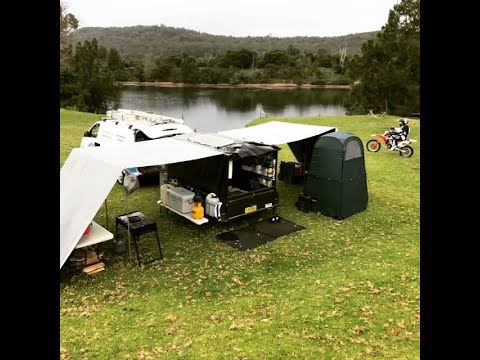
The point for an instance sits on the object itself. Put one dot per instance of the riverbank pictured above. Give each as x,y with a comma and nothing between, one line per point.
224,86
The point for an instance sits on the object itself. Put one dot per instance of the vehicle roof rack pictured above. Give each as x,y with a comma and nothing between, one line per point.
132,115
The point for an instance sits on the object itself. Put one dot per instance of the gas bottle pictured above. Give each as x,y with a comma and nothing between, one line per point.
197,209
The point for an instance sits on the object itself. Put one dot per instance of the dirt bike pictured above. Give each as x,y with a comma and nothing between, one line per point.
403,146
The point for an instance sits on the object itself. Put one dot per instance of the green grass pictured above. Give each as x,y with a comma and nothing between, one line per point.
345,289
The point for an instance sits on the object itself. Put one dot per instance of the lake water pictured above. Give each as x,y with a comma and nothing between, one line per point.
212,110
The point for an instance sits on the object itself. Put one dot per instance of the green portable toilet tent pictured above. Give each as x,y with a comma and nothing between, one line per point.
336,178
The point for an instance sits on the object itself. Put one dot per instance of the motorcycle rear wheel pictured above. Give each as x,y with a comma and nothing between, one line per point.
406,151
373,145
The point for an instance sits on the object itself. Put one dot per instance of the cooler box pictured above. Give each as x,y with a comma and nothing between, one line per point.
180,199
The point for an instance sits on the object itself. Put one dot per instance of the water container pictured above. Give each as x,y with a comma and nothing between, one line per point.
210,203
119,244
298,171
163,178
164,193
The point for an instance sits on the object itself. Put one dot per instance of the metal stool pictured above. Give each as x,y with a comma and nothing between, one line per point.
140,224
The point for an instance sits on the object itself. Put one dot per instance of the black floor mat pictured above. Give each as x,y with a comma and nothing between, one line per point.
258,233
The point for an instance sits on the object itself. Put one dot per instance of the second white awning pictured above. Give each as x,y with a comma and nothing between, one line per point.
277,132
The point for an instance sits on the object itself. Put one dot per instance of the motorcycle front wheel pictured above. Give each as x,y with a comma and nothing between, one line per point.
406,151
373,145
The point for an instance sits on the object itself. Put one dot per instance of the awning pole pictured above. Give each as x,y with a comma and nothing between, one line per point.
106,213
128,227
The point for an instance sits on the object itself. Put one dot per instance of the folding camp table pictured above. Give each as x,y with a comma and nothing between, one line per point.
96,235
187,216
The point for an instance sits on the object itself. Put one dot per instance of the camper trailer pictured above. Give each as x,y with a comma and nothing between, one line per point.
241,181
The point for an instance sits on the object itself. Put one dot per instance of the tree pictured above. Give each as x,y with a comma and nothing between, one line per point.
162,70
388,68
86,76
149,66
114,60
242,59
68,24
276,57
96,87
68,87
189,69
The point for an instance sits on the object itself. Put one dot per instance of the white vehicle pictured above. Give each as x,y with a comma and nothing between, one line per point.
128,126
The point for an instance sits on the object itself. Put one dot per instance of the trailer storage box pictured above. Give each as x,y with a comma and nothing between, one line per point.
291,172
180,199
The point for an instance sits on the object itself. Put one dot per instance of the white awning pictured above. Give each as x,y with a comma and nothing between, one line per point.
151,152
277,132
85,182
89,174
211,140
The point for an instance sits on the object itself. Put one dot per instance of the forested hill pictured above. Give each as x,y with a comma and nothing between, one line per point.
137,41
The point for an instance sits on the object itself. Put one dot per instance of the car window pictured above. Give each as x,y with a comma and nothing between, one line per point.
140,136
94,130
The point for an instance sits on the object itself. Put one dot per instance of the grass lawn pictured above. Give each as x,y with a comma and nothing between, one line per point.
345,289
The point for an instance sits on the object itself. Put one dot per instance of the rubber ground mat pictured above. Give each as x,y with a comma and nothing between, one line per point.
258,233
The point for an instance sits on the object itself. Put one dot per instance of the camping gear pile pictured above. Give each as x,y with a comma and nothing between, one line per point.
238,166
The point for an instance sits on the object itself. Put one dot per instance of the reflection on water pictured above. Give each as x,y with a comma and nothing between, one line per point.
224,109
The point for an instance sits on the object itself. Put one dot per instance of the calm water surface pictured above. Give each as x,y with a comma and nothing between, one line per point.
212,110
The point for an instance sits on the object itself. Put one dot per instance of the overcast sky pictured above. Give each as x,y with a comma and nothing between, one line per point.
279,18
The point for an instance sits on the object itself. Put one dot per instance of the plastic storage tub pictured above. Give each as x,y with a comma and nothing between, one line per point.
180,199
164,193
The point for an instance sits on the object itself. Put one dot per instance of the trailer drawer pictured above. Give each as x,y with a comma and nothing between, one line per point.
249,203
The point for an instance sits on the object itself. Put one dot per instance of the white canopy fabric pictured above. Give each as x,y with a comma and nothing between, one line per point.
151,152
85,182
89,174
276,132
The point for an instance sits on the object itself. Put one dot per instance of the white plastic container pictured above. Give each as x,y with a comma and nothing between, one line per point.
212,205
164,193
163,178
180,199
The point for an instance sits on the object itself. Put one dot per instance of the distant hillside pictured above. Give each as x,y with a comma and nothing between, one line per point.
136,41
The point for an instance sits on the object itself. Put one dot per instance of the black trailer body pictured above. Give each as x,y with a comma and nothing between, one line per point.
244,178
